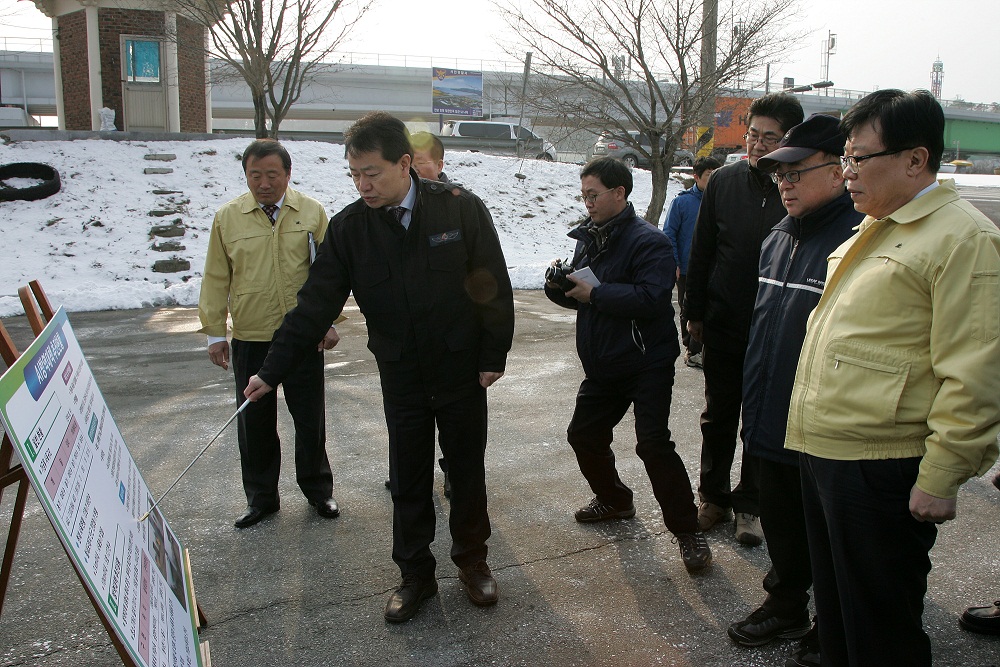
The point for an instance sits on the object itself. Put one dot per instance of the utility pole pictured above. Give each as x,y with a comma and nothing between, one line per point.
524,94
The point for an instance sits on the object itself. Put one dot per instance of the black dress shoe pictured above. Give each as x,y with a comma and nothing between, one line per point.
326,508
405,601
479,584
253,515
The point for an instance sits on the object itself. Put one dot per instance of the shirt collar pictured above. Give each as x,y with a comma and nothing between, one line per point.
278,203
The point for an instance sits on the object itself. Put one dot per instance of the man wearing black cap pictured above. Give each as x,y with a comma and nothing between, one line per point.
821,216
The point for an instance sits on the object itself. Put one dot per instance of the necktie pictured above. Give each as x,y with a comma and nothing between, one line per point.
271,210
398,212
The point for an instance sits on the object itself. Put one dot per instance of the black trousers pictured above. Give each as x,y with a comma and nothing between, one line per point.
257,427
870,560
788,581
461,428
600,406
719,426
692,346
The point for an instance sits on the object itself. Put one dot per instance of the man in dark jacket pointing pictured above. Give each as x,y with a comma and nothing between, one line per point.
627,342
428,274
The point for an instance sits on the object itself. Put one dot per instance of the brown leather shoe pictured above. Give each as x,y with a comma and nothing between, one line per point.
404,603
984,620
479,584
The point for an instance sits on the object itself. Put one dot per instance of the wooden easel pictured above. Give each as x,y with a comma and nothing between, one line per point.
39,312
10,475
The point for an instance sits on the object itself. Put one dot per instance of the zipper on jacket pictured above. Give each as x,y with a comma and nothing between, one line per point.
637,338
768,335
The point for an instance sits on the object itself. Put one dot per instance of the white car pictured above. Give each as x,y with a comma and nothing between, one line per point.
735,157
500,133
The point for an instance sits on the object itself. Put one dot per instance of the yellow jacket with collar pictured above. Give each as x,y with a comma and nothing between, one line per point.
253,270
902,354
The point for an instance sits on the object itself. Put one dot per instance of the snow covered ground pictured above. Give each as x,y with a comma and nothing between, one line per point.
90,244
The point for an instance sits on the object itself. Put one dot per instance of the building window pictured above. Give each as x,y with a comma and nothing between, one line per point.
142,61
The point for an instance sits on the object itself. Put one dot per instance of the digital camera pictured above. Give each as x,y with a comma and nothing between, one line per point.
557,274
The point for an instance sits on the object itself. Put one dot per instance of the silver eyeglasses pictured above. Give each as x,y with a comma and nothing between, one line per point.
794,176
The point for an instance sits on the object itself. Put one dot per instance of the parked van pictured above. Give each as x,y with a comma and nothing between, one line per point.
497,136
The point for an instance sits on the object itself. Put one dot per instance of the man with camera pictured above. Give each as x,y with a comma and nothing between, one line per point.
627,342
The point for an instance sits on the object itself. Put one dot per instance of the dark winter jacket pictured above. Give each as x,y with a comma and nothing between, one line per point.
792,276
740,206
436,297
628,326
679,226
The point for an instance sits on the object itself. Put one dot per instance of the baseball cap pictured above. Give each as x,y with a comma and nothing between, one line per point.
819,132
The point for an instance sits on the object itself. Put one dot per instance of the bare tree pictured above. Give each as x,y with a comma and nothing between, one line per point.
620,65
274,45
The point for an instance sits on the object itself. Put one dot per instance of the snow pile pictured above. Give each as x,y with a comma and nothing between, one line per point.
91,248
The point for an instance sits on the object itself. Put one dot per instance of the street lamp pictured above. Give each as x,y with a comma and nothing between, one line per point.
829,49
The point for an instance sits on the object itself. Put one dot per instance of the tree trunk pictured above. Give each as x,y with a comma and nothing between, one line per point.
660,171
259,115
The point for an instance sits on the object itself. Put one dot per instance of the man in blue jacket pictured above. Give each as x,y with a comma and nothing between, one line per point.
821,216
627,342
679,228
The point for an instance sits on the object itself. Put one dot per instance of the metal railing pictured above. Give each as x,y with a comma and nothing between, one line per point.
32,44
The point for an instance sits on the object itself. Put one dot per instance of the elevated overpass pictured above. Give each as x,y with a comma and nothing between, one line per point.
341,93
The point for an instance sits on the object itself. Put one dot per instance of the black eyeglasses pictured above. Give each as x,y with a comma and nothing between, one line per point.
766,140
592,199
794,176
852,161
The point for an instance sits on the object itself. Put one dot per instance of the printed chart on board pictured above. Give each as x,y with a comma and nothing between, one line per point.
93,493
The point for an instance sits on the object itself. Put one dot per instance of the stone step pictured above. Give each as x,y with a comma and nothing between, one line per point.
162,213
169,246
161,157
168,192
176,228
157,170
173,265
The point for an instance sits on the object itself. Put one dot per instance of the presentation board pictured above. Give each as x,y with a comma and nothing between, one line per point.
93,493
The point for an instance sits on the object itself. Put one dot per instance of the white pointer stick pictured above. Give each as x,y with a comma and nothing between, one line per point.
231,419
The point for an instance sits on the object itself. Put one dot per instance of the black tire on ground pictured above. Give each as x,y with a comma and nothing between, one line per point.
49,177
631,161
544,156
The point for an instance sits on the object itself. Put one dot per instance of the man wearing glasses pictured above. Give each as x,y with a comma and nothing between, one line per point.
738,210
627,342
821,216
896,400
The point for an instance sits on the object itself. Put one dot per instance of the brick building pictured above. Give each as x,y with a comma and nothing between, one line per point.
143,61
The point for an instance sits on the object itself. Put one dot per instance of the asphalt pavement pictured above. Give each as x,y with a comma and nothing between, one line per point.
298,589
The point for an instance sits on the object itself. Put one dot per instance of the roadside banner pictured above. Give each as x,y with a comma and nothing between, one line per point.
457,92
92,491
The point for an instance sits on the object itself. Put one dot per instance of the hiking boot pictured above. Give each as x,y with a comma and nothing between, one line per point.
763,625
693,360
748,530
807,654
710,514
600,511
695,551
